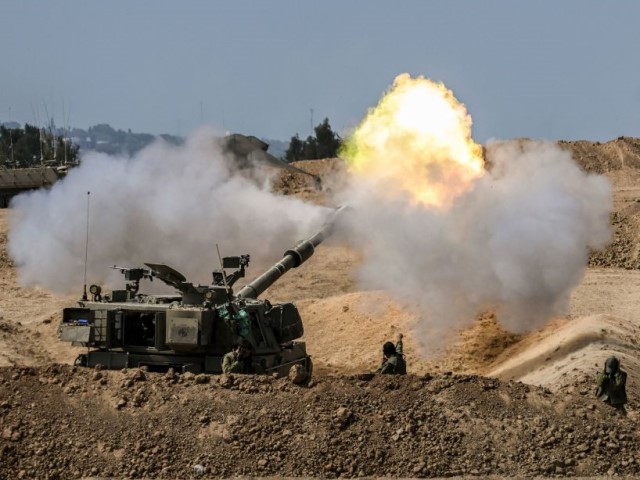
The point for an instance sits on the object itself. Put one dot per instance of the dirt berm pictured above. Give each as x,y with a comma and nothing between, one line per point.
59,422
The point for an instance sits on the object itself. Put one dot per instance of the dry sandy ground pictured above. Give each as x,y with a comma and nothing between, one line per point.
29,317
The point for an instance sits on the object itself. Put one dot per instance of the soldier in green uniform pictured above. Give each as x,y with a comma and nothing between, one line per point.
238,360
236,318
611,384
393,358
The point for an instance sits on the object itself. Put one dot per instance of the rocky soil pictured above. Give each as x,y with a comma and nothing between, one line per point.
63,422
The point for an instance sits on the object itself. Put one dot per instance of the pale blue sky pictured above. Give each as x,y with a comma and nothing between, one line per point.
551,69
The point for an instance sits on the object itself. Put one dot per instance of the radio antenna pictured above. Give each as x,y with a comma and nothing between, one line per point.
86,250
224,275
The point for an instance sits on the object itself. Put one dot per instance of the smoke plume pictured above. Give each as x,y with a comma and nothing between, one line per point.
167,204
516,242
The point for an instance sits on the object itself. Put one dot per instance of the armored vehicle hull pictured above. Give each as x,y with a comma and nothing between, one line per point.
14,181
194,339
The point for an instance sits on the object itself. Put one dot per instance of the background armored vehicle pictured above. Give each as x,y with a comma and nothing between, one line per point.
192,330
250,151
17,180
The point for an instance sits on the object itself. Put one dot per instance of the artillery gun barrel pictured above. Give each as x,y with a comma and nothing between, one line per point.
292,258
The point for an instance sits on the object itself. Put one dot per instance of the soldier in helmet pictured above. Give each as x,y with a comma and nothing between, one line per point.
611,384
393,359
238,360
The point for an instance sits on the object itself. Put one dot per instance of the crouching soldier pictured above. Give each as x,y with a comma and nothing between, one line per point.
238,360
611,384
393,359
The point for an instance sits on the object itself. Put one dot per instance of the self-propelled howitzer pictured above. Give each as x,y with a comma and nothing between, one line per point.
193,329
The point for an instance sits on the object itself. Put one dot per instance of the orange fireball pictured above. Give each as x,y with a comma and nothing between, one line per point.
417,142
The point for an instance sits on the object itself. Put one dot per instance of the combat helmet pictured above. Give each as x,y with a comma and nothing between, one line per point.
388,348
611,365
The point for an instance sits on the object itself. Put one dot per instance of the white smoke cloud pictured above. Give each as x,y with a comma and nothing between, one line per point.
167,204
516,243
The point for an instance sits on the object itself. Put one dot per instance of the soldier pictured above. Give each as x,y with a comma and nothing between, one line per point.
236,318
393,359
239,359
611,384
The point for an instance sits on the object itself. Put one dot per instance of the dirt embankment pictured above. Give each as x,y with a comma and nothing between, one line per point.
61,423
619,160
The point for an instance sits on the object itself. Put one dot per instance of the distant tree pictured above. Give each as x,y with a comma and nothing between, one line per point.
296,149
327,141
310,148
325,144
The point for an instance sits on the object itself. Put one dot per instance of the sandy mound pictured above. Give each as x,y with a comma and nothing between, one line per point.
330,170
567,353
573,353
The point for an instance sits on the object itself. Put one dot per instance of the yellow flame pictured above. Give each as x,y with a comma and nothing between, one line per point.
417,141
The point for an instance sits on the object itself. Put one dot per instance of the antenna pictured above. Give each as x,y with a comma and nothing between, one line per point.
86,251
65,118
224,275
37,118
311,121
49,125
64,133
41,154
11,139
11,147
